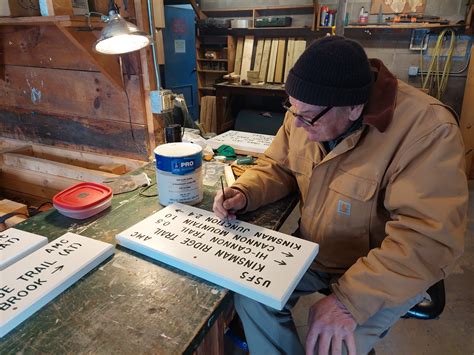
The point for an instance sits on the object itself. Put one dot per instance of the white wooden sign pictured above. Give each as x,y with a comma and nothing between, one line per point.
29,284
242,141
257,262
15,244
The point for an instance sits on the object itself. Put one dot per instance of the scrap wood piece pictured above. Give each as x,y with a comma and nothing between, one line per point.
208,113
118,169
258,55
238,55
229,175
8,206
300,46
265,58
289,57
280,60
246,57
272,61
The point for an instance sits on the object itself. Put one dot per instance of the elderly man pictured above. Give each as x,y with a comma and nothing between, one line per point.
379,167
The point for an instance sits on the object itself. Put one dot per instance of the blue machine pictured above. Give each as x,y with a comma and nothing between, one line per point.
180,54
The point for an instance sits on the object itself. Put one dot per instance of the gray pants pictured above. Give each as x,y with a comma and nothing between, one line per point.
269,331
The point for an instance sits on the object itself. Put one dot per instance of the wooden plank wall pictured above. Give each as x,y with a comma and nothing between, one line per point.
51,93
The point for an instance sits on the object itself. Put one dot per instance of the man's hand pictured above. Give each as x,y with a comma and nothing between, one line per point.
234,200
330,323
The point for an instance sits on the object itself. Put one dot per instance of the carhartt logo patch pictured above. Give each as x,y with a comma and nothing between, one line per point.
344,207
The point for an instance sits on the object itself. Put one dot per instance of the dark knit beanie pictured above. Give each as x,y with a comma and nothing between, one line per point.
332,71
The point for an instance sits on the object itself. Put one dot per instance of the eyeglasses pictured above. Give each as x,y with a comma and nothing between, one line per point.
308,122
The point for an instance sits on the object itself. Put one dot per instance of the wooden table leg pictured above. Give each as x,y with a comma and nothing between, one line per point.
213,342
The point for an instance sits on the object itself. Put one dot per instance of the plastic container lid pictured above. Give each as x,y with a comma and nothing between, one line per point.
82,196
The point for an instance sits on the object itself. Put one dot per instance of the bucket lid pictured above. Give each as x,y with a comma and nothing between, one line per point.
82,196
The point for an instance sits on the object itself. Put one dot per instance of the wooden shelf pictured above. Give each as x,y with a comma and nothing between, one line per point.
207,88
65,21
212,71
407,26
211,60
250,11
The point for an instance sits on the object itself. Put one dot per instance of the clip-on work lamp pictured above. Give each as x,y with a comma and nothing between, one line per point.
120,36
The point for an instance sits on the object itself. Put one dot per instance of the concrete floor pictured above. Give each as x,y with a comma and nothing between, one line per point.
451,334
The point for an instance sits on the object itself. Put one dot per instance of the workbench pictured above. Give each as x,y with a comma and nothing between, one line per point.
225,90
131,303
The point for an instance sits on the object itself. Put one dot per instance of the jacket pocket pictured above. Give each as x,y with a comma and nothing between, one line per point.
302,169
346,220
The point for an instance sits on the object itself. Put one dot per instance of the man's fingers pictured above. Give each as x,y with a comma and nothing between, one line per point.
311,340
350,343
336,345
217,206
324,343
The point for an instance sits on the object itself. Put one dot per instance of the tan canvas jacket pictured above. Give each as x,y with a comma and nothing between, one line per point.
387,205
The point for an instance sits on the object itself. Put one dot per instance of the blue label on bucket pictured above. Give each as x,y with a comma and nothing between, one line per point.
179,166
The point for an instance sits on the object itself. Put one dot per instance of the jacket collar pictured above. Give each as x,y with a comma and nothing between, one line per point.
378,112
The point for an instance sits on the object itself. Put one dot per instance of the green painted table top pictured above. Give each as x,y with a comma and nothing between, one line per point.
131,303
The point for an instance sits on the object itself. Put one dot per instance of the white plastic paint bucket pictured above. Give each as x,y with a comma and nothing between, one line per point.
179,173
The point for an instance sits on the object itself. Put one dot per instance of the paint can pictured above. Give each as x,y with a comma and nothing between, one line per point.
179,173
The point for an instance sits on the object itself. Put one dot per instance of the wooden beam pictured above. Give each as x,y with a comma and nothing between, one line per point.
340,16
54,168
199,13
153,121
83,159
108,64
33,183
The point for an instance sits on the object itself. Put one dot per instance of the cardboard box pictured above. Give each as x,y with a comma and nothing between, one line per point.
15,8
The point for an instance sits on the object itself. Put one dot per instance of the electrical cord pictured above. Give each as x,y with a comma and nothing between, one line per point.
139,149
142,191
440,78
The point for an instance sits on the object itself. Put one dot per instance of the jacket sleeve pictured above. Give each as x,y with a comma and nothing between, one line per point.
269,180
427,199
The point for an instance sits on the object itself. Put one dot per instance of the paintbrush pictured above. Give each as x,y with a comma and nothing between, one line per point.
223,196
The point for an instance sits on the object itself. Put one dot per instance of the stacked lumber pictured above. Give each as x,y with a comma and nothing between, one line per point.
271,58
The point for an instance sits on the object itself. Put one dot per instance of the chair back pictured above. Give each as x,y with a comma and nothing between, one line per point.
430,309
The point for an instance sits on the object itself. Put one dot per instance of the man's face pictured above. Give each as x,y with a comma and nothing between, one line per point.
330,126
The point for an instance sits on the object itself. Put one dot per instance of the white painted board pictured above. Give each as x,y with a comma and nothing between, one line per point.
259,263
29,284
243,141
15,244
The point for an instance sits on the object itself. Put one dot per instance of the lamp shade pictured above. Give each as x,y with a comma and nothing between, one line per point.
120,36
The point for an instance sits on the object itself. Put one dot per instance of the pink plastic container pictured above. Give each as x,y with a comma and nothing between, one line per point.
83,200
